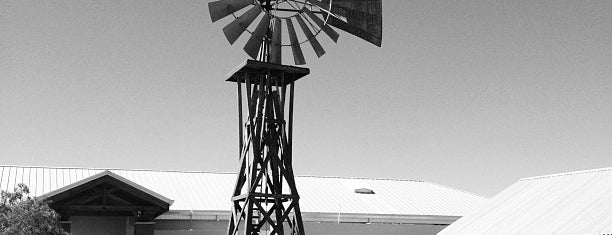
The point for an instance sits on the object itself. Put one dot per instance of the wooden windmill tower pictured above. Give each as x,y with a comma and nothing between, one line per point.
265,199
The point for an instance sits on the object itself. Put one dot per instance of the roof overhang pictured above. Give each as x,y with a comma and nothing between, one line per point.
316,217
107,193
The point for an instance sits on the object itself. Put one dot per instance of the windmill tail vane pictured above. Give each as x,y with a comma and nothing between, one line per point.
361,18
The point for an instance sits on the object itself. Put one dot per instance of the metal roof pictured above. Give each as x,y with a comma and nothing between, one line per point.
330,197
569,203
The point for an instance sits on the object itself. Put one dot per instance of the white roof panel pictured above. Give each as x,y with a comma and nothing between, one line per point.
570,203
206,191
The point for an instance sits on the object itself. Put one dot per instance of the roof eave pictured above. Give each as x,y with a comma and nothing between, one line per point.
318,217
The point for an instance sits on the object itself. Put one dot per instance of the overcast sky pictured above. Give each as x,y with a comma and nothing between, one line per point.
469,94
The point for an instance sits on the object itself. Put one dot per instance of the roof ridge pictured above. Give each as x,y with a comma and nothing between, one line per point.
357,177
210,172
115,169
579,172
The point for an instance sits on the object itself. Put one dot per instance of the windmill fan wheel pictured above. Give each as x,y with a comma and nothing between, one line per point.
312,16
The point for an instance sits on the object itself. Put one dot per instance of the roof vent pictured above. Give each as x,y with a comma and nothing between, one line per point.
364,191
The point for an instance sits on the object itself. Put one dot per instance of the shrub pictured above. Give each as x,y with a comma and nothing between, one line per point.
22,215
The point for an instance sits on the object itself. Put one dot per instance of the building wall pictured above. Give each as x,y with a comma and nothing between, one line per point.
204,227
190,227
101,225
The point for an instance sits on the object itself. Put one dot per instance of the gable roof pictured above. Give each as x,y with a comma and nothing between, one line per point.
100,175
577,202
107,193
393,200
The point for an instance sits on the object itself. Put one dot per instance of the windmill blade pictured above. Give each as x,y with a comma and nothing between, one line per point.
233,30
222,8
298,56
328,30
252,46
361,18
311,38
275,47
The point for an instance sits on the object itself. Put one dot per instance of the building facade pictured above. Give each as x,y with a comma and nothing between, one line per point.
147,202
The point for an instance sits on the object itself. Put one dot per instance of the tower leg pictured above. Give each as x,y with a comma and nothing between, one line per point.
265,198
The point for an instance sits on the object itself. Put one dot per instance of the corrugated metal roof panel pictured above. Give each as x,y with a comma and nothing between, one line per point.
569,203
205,191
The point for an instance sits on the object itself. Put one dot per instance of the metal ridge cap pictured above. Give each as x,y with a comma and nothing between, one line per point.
210,172
570,173
114,169
359,178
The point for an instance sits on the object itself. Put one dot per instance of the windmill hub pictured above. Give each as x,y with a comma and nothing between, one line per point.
266,4
284,9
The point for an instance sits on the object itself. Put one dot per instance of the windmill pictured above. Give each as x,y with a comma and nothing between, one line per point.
265,198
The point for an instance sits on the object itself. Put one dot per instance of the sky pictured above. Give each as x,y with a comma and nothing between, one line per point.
472,94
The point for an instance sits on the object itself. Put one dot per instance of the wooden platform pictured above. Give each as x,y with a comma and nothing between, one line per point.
290,73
